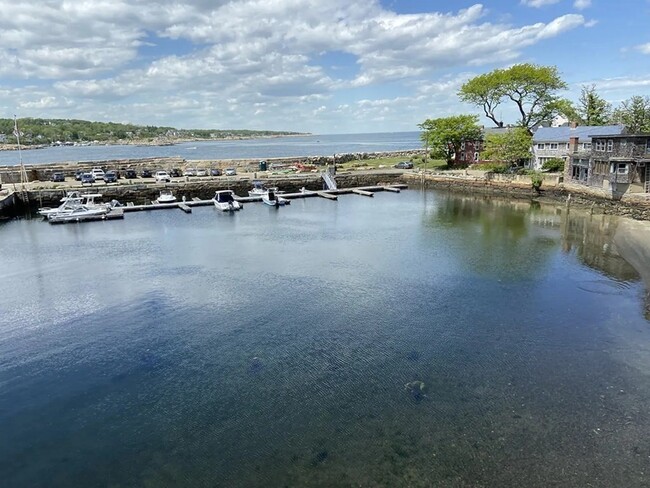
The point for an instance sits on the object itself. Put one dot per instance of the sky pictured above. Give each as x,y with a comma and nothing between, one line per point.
319,66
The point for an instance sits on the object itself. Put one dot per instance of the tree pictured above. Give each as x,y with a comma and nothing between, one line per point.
530,87
592,108
511,147
634,114
444,136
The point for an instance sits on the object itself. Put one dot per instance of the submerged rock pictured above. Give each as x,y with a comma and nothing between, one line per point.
415,389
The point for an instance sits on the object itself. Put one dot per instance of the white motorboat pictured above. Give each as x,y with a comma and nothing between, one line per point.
79,214
270,197
259,189
73,200
166,196
225,200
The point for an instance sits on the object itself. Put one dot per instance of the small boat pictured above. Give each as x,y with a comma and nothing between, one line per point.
79,214
225,200
74,199
270,197
166,196
259,189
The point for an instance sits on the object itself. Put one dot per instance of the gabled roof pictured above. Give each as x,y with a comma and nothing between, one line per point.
582,132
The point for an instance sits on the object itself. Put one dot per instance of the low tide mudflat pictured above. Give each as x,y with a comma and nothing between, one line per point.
419,339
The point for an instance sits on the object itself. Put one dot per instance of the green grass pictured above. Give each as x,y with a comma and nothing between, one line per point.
389,162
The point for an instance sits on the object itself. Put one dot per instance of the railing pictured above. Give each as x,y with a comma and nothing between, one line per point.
330,182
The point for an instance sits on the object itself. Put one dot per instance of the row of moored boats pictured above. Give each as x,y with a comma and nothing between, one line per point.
76,206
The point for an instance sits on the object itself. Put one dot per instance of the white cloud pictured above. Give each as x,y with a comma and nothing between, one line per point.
539,3
582,4
644,48
215,63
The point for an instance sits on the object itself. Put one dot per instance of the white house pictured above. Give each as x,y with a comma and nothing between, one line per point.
553,142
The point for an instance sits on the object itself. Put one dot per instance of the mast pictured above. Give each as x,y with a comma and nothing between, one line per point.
23,172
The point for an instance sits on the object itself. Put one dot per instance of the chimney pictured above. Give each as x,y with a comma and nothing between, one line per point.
573,144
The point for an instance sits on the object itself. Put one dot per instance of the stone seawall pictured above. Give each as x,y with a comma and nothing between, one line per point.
520,186
43,172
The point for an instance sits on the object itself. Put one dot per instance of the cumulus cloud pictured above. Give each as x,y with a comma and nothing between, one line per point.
199,59
582,4
539,3
644,48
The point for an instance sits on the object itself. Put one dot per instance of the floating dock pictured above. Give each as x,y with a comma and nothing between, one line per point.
186,205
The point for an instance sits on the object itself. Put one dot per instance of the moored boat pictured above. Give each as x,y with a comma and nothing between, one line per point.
225,200
72,201
270,197
166,196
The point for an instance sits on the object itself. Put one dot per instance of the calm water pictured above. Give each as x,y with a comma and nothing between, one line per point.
272,348
315,145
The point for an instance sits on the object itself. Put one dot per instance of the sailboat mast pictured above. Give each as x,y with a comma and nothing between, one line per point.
23,172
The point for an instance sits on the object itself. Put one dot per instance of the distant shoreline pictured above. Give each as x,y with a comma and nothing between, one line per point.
141,142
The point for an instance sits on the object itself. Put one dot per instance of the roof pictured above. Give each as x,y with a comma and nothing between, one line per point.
626,136
583,133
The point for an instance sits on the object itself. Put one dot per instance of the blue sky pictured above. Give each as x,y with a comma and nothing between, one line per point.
335,66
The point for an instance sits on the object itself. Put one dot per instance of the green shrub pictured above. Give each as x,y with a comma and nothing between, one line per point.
493,167
553,165
536,180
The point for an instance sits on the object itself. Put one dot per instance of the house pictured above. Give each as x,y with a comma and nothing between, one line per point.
553,142
470,151
619,163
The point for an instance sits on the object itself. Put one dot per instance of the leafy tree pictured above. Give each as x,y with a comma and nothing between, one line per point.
444,136
553,165
592,108
511,146
634,114
530,87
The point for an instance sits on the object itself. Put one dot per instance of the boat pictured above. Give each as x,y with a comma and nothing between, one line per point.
79,214
166,196
225,200
259,189
270,197
73,200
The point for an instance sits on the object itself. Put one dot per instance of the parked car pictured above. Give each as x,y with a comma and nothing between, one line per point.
215,172
231,171
110,177
189,172
146,174
201,172
175,173
162,176
57,176
78,173
130,174
98,173
87,178
404,165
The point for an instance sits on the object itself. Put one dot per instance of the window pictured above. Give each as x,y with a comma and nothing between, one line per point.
600,145
586,145
568,145
462,145
619,168
462,156
610,145
647,146
553,145
475,156
540,146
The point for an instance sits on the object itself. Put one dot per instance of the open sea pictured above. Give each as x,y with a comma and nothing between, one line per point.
416,339
310,145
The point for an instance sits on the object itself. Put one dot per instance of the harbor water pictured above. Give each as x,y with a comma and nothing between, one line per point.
412,339
259,148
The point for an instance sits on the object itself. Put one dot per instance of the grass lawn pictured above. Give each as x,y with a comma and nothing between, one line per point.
389,162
